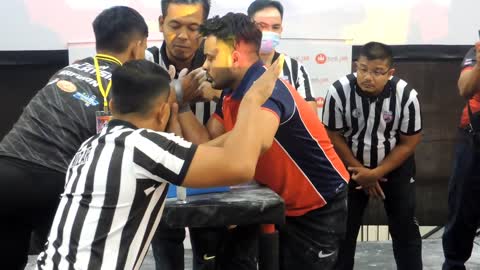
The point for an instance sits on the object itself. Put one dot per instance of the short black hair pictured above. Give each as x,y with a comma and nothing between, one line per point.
205,3
233,28
116,27
136,84
377,51
258,5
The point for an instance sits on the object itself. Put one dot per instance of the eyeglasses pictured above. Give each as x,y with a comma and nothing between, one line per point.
376,73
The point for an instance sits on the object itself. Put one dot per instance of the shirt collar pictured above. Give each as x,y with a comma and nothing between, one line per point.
252,74
117,122
384,94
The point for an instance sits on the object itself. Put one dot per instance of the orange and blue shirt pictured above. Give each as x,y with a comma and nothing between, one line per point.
302,165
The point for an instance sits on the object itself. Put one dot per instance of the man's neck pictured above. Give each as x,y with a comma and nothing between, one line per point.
267,58
122,57
242,72
135,120
179,65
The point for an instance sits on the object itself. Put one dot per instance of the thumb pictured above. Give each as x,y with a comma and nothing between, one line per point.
182,73
174,110
171,72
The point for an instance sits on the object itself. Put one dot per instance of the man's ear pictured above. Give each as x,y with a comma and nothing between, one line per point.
391,72
161,20
163,115
236,58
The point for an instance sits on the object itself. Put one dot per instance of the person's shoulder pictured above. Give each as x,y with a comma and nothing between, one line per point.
344,82
401,86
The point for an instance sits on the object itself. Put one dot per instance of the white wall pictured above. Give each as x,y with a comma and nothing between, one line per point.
51,24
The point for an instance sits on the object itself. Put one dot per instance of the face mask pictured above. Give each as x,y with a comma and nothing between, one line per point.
270,41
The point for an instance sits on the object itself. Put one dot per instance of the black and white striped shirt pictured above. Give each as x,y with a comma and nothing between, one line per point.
202,110
295,73
114,198
372,125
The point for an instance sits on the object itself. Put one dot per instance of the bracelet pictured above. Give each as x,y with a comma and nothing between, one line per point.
177,85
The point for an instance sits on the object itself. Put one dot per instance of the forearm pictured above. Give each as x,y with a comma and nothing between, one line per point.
313,104
219,141
469,82
345,153
395,159
192,129
243,142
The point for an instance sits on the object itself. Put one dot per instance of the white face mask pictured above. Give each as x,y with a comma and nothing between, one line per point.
270,41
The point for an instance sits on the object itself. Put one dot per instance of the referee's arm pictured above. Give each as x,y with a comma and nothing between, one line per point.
404,149
410,135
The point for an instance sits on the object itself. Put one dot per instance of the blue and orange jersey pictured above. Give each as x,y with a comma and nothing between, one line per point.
302,165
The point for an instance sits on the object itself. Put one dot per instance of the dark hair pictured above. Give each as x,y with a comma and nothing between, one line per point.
136,84
205,4
116,27
233,28
258,5
376,50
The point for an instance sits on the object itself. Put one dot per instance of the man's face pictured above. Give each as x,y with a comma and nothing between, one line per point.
373,75
218,63
269,19
180,30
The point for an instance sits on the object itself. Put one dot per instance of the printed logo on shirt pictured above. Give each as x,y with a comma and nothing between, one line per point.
87,99
356,113
387,116
66,86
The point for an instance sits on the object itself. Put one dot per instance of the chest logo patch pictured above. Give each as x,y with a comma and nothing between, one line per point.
356,113
387,116
66,86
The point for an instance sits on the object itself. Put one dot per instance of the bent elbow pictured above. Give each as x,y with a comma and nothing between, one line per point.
244,171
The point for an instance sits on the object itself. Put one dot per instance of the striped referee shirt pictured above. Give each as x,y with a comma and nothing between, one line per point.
202,110
114,197
296,74
372,125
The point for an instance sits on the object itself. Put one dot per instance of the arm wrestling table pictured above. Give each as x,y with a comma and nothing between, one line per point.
242,205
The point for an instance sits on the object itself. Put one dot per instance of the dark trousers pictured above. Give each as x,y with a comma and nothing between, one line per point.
311,241
29,196
463,203
213,248
400,208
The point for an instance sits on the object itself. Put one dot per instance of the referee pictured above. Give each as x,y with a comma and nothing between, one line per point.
373,119
268,15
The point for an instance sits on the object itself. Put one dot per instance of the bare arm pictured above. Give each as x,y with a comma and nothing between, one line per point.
469,81
343,150
404,149
313,104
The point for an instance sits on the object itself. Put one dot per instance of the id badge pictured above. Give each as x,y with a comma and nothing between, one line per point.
102,119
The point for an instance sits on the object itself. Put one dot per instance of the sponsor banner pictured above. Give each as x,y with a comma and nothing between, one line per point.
325,62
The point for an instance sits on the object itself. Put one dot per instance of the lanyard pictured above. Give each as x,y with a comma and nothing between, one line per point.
99,80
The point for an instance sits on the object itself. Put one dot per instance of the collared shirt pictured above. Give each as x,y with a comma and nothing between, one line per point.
371,125
301,166
59,117
114,198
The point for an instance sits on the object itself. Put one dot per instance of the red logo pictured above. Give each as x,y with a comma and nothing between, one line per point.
320,102
321,58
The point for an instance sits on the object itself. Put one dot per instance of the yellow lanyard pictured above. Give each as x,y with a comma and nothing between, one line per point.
99,80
